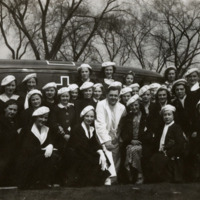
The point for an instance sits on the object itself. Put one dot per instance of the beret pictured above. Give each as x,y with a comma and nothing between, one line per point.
190,71
167,107
143,89
154,85
97,85
125,90
35,91
85,110
50,85
63,90
86,85
132,99
106,64
84,66
8,79
41,111
115,84
134,85
29,76
73,87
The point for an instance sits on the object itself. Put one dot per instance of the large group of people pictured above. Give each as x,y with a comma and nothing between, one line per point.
93,132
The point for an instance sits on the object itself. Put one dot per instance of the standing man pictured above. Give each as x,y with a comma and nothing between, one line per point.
109,113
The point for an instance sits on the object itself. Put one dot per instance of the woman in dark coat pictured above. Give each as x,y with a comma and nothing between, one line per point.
8,143
37,161
87,161
167,162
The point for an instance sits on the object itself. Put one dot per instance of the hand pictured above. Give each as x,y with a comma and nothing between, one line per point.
194,134
109,146
48,151
66,137
61,130
102,161
135,142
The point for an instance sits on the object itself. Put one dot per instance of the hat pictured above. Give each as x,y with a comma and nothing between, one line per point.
86,85
170,67
190,71
97,85
41,111
162,87
50,85
29,76
154,85
73,87
84,66
134,85
85,110
167,107
8,79
125,90
143,89
179,81
107,64
35,91
115,84
132,99
63,90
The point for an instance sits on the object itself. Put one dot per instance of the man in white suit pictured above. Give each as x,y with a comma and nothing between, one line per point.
109,113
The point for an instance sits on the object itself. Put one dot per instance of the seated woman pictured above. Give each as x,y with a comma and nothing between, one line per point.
128,79
125,95
97,92
132,129
135,88
87,161
153,89
37,161
167,162
50,95
74,92
8,143
8,89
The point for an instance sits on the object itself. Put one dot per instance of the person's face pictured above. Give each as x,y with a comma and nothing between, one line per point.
153,92
50,93
85,73
193,78
87,93
162,96
168,116
31,84
135,107
64,98
146,97
129,79
135,90
97,93
126,97
113,97
10,88
74,94
109,72
11,111
41,120
89,118
171,75
180,91
36,101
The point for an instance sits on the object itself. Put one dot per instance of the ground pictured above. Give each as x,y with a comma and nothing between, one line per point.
118,192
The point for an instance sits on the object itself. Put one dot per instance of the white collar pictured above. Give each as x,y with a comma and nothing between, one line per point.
42,136
195,87
108,81
5,98
168,125
91,130
62,106
95,100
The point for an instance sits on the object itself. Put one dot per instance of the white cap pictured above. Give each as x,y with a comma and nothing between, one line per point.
179,81
134,85
50,85
154,86
170,67
84,66
125,90
143,89
29,76
107,64
63,90
73,87
41,111
86,85
190,71
35,91
115,84
8,79
98,85
167,107
85,110
132,99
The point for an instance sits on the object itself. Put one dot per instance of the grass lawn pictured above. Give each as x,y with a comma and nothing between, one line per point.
118,192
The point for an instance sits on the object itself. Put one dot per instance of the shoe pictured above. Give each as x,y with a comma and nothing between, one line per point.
107,181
